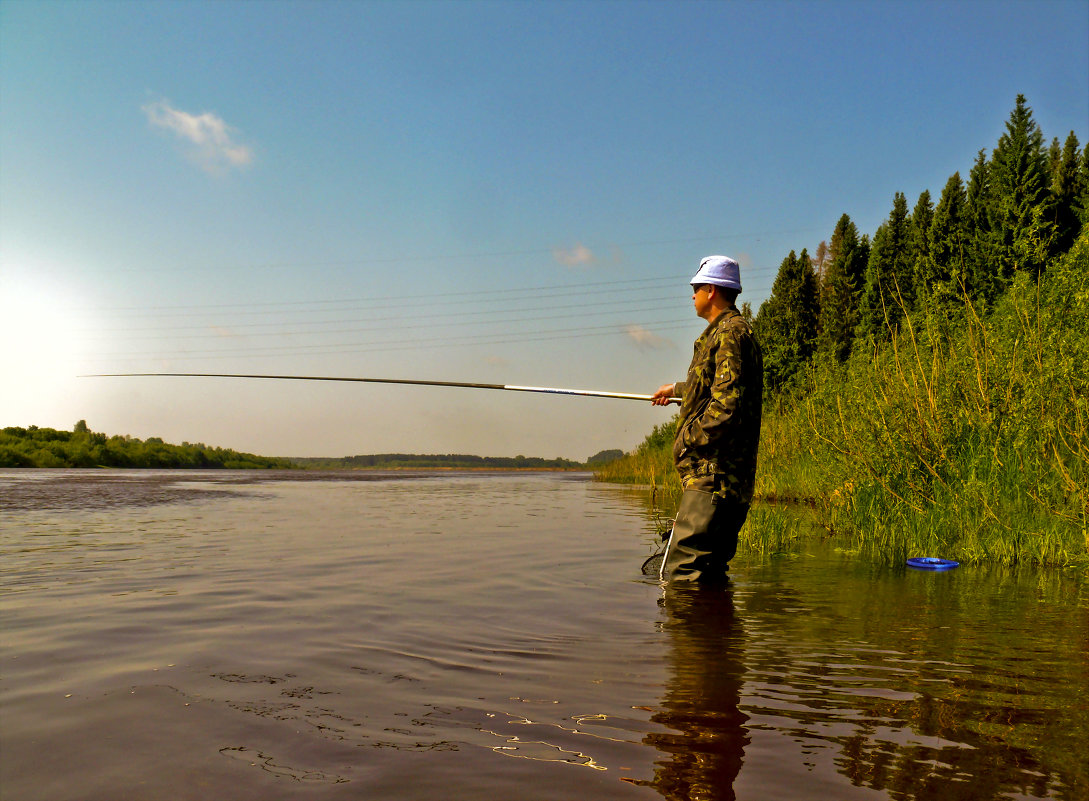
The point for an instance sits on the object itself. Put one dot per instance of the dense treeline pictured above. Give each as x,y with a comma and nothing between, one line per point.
1019,210
394,461
81,447
927,388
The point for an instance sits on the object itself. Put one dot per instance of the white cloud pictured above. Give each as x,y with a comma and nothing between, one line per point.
646,339
579,254
210,141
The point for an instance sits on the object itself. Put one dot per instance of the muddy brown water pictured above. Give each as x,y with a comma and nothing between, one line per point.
367,635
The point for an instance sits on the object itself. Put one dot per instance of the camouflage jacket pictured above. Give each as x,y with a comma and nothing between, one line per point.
722,398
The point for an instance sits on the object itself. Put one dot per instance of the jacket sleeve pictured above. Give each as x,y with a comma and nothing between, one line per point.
723,413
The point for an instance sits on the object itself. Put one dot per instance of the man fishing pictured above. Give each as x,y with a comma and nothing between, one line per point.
719,429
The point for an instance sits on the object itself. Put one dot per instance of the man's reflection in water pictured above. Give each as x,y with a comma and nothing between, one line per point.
702,755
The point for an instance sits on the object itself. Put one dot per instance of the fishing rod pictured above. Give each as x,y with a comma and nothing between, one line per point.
464,384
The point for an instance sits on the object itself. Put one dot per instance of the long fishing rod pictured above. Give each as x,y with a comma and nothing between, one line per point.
464,384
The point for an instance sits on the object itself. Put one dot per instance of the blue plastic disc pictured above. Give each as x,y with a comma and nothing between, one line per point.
931,563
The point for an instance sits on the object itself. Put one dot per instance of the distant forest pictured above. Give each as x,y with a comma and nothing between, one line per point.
81,447
394,461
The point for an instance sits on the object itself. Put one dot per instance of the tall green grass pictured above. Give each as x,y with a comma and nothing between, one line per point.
964,436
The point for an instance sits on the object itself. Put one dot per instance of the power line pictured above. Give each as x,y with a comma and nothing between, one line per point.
346,304
483,295
376,323
402,344
463,256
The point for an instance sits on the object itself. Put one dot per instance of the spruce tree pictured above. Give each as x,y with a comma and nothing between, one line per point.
1064,194
919,242
980,275
1021,199
786,325
766,334
839,313
1054,157
903,274
771,332
1082,203
871,303
840,291
809,308
944,274
888,288
854,251
857,268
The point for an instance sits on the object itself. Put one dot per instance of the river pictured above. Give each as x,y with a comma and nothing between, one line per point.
460,635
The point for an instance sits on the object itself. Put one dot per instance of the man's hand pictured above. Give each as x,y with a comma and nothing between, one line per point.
662,396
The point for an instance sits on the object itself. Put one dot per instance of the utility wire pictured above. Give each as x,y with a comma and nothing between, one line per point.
384,346
447,257
374,323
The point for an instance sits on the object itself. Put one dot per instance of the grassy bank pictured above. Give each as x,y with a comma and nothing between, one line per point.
964,435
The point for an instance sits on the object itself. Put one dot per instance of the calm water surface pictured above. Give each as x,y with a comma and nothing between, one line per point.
172,635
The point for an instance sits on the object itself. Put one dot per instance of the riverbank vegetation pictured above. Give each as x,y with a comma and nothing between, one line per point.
81,447
927,390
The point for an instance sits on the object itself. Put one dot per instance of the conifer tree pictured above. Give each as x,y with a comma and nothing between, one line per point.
1020,196
854,252
771,332
840,290
1082,203
786,325
1054,156
1064,193
809,308
945,266
857,271
888,287
871,303
919,241
980,277
839,313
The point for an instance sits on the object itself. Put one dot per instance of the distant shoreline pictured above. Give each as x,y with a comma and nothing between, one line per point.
34,447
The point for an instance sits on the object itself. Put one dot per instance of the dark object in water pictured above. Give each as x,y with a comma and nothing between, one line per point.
653,564
931,563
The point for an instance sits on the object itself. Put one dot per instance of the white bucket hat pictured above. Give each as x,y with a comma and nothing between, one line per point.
720,271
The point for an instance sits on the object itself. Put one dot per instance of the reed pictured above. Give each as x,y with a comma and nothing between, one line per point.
774,529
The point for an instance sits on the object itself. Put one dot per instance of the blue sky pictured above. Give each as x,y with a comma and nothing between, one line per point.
511,192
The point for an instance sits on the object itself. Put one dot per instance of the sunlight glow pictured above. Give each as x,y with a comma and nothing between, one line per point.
41,354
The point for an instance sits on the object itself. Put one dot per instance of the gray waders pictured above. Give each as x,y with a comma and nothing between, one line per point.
704,537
